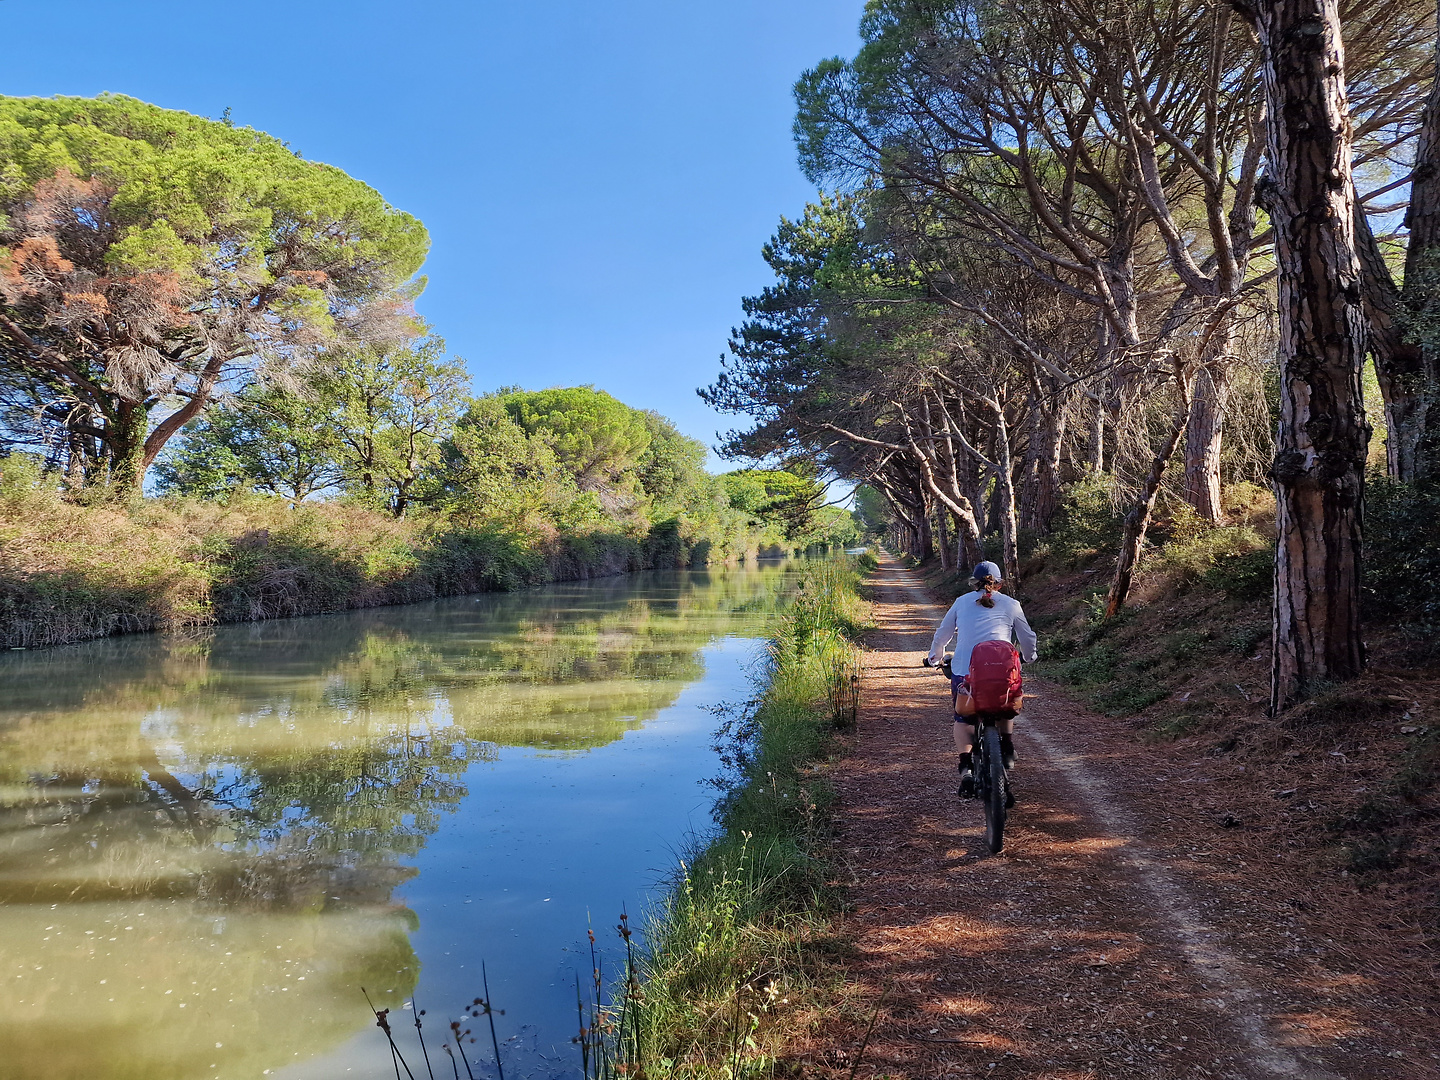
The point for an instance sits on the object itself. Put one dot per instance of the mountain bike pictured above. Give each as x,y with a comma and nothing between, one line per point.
992,780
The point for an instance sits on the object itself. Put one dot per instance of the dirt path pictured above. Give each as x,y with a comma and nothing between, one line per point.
1092,947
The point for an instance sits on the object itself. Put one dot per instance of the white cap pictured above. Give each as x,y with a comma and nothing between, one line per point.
983,569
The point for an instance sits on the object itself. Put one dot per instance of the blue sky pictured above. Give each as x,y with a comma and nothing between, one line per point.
597,177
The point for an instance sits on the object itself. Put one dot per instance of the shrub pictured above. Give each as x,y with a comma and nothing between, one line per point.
1244,577
1086,522
1092,668
1215,555
1127,698
1402,553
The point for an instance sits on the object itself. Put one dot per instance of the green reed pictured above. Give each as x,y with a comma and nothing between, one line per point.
730,954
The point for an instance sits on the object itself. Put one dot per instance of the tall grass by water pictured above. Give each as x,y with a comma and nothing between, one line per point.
733,952
71,570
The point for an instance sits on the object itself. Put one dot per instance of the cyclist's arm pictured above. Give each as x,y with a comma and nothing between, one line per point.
1025,636
943,633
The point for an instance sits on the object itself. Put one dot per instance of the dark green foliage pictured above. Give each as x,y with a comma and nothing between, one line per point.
1129,697
1092,668
478,560
599,554
1086,522
1244,641
1059,646
1402,553
1185,646
1245,577
664,546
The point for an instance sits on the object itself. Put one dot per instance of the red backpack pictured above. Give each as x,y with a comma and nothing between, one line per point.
994,678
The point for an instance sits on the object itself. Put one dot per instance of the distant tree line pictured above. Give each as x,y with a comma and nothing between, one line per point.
195,306
1153,241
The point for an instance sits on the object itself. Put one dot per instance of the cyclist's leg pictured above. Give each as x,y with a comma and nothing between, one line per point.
964,735
1007,744
965,745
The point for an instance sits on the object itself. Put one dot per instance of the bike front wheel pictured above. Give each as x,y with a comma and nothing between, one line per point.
996,791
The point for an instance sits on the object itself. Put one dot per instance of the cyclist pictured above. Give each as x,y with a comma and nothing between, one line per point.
991,616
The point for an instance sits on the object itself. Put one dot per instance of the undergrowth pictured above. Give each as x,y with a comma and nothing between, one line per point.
734,952
70,571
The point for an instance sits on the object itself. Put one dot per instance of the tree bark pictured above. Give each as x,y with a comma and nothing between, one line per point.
942,545
125,437
1405,369
1419,434
1397,361
1203,434
1047,465
1097,438
1005,500
1137,521
1319,468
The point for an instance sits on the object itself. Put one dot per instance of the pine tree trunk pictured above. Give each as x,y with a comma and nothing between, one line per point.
1005,501
1319,468
1203,435
1047,472
1030,466
1096,456
1137,521
1419,435
967,547
924,543
125,439
942,527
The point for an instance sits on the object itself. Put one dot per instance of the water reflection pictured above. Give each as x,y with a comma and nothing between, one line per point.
202,836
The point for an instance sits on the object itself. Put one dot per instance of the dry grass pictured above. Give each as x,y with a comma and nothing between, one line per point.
71,571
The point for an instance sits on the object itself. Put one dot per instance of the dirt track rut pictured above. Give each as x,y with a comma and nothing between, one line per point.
1077,952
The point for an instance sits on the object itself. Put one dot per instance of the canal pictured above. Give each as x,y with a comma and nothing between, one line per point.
211,843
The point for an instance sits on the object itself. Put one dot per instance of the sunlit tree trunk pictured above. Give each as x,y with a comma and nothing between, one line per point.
1137,520
942,527
1096,456
1319,468
1005,501
1203,433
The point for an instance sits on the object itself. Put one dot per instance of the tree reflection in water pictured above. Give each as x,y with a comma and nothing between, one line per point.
202,835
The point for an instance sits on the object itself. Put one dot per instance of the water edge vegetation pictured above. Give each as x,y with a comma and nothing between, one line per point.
734,960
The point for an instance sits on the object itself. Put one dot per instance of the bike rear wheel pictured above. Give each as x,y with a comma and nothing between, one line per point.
996,791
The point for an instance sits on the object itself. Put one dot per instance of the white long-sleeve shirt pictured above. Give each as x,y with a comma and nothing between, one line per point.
970,623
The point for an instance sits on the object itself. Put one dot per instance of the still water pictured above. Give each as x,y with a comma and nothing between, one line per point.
210,844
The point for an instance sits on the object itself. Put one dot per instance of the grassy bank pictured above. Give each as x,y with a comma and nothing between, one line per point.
734,954
70,571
